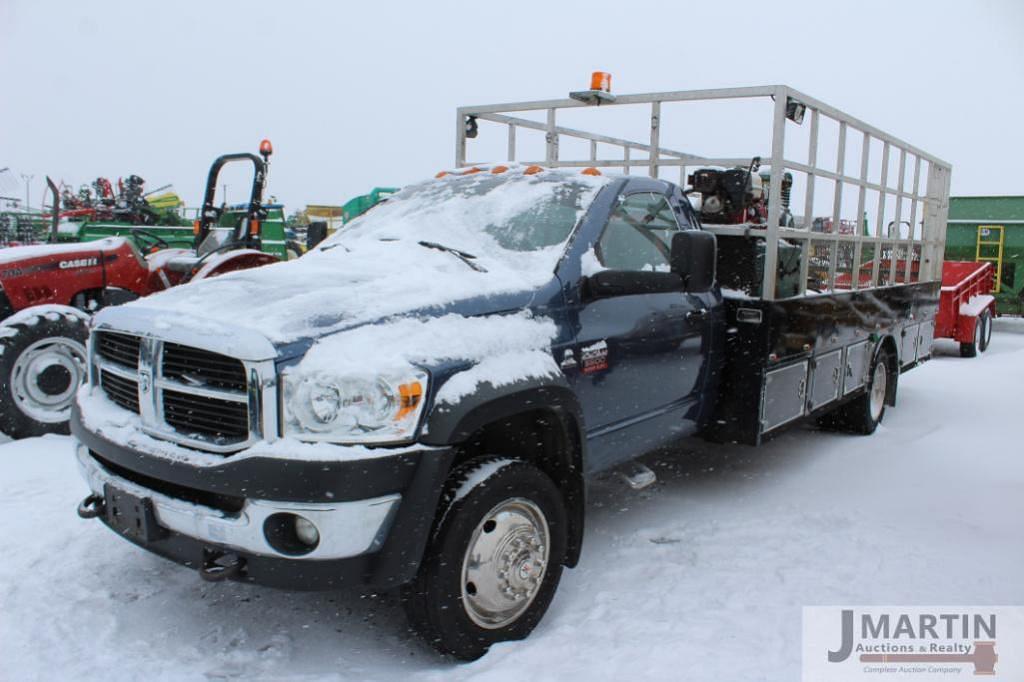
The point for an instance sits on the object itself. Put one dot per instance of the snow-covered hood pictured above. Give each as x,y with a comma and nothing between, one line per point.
250,313
510,231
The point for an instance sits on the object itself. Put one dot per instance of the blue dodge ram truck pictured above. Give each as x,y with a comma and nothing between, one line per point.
419,402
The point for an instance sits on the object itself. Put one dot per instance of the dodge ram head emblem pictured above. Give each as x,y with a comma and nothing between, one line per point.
145,381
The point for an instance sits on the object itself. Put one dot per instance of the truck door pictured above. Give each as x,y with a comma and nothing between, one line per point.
639,356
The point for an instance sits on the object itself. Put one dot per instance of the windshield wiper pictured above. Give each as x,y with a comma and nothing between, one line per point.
466,258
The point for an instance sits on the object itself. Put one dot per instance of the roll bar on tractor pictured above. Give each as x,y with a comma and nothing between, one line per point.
847,247
247,232
55,218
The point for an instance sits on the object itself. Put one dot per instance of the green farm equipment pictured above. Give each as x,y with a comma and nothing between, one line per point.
355,207
991,229
323,220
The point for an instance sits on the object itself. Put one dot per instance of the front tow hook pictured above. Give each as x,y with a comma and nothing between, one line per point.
218,566
91,507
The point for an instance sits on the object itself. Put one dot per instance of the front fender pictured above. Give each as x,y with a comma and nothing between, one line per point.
452,423
243,259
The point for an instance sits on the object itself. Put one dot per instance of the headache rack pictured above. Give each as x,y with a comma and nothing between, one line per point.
880,230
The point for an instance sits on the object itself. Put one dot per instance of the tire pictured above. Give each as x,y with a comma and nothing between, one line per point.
495,508
293,250
864,413
985,320
970,350
42,364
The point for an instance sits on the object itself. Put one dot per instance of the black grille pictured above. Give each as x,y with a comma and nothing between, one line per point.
225,421
191,365
120,348
124,392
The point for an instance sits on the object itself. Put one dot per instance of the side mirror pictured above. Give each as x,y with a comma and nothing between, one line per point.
694,254
609,283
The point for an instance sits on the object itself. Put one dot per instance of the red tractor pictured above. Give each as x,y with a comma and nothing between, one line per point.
49,291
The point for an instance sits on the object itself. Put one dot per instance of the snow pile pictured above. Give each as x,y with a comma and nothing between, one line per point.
513,225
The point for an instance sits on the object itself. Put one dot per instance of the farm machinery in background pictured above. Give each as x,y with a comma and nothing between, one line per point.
49,291
130,205
97,212
93,204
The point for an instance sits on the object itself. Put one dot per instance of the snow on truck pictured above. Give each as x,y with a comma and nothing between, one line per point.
422,400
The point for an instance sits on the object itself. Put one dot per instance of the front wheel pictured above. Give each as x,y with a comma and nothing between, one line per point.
494,560
42,364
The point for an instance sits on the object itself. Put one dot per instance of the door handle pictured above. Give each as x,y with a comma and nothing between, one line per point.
696,315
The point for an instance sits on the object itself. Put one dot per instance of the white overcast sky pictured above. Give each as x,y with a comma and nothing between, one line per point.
361,94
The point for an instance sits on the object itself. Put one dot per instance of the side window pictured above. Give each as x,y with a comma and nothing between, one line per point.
638,234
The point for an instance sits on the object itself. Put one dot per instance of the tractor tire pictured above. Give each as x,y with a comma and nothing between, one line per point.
864,413
970,350
494,558
985,320
42,364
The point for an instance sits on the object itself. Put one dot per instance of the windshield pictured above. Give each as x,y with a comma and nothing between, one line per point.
510,218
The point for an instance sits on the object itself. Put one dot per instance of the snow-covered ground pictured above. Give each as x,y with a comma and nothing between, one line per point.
699,577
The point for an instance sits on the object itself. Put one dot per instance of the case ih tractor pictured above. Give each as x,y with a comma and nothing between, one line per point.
48,293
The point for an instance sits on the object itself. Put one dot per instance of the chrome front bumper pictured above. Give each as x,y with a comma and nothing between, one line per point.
347,529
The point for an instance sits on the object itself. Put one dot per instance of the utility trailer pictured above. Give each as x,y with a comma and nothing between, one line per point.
967,306
803,331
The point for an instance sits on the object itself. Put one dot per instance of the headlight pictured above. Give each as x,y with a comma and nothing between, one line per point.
353,409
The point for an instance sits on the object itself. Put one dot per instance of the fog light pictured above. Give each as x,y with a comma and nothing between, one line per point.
306,532
290,534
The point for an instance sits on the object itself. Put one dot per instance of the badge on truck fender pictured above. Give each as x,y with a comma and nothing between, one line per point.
595,357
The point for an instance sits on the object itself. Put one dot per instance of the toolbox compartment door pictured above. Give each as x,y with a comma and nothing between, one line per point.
925,339
827,378
784,395
908,351
856,367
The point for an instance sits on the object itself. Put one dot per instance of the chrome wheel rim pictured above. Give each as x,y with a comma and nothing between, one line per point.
45,377
878,385
505,563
